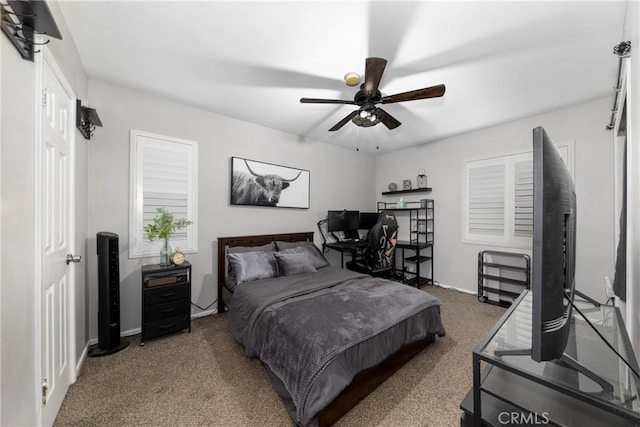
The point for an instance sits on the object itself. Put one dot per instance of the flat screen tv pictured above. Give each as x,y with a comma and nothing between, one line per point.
368,220
554,249
343,220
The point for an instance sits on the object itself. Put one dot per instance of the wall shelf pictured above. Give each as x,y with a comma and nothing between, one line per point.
413,190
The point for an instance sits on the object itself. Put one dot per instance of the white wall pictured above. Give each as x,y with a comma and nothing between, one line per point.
456,262
633,202
339,179
18,222
1,45
19,386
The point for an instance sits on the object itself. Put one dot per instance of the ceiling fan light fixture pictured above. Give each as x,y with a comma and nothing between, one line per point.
367,117
352,79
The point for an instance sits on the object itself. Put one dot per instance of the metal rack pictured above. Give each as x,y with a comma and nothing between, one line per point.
420,243
502,276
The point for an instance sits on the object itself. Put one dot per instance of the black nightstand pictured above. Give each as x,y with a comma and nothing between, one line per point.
166,300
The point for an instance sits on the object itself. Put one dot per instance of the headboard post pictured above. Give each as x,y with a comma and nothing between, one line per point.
255,240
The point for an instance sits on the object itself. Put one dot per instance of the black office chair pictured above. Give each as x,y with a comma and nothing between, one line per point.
377,258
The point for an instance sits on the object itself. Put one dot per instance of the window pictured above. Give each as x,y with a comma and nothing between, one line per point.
523,198
164,173
499,199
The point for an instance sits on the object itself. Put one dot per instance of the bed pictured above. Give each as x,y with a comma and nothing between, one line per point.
326,336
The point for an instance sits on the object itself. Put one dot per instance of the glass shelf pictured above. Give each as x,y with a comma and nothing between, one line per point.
513,334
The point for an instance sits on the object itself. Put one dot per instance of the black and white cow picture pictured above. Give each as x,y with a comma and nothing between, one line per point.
263,184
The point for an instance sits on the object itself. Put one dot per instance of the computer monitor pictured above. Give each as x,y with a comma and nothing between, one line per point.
345,221
368,220
554,249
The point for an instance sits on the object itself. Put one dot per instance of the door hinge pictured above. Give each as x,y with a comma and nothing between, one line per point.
45,388
44,98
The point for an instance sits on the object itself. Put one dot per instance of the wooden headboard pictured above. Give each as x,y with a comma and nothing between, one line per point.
256,240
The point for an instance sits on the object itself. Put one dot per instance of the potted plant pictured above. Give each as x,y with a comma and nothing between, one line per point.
162,227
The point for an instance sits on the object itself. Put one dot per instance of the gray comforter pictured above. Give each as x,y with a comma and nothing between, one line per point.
299,325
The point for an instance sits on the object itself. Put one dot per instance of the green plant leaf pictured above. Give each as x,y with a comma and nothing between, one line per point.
164,225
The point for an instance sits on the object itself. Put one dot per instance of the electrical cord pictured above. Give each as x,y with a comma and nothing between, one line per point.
601,336
207,307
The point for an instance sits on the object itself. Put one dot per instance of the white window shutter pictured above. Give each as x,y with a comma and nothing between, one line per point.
499,199
485,200
523,198
163,174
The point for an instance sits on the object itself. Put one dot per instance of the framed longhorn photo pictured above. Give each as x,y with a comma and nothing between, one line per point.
257,183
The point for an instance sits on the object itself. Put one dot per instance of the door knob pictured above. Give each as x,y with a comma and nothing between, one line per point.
73,258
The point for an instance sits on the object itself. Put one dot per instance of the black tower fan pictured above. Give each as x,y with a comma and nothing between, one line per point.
109,341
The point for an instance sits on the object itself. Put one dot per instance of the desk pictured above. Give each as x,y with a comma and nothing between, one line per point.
548,392
349,247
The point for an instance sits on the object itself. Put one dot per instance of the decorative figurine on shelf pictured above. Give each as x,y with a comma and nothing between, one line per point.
163,227
406,184
421,182
401,203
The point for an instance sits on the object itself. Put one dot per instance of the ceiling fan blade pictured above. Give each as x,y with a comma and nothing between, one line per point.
388,120
325,101
374,67
412,95
343,121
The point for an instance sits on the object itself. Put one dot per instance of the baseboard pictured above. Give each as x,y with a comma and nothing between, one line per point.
137,331
81,360
130,332
127,333
455,288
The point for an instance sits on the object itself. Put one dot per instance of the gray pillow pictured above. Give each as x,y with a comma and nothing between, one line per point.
314,254
250,266
281,245
293,263
269,247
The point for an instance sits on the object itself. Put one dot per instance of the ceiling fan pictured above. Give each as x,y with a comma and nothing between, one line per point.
368,96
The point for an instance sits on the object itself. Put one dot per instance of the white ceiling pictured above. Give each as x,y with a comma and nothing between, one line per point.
253,61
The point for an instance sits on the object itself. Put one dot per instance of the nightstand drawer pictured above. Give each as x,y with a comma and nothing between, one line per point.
166,294
167,326
167,309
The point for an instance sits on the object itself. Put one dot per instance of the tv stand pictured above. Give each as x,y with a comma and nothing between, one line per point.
567,361
572,363
586,297
589,385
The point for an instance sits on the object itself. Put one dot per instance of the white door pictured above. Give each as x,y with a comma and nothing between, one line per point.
56,203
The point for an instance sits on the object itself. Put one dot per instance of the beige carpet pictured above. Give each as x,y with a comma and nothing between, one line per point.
204,379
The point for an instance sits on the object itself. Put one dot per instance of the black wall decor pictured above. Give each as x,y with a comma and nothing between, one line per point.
22,20
86,120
